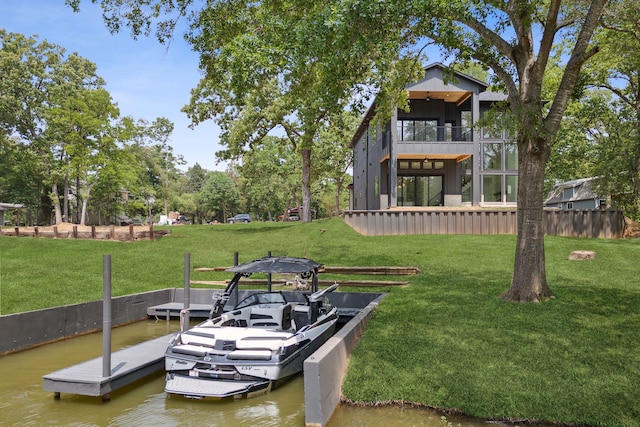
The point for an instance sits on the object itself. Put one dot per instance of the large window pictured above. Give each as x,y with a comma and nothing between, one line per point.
496,125
501,160
418,130
492,188
495,186
465,190
466,179
492,156
420,190
512,188
511,156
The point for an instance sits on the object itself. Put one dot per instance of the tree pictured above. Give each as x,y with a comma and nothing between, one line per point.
20,179
159,133
84,124
269,176
334,155
196,177
44,96
157,164
252,84
617,71
220,194
512,38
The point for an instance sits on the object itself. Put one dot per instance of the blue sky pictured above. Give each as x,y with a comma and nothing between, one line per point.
146,79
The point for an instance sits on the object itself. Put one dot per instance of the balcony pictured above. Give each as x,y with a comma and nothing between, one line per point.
417,131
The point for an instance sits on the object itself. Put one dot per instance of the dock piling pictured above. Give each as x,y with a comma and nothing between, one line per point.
106,318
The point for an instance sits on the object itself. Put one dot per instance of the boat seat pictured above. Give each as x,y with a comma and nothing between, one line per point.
286,317
273,317
301,316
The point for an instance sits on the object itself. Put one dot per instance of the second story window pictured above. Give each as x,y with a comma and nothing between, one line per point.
418,130
499,156
496,125
492,156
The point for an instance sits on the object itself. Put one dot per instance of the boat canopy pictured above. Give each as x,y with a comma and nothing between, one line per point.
305,268
276,265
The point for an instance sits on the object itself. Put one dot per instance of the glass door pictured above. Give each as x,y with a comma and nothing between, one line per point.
421,190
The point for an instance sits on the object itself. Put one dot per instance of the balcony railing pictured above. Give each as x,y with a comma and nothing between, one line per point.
415,132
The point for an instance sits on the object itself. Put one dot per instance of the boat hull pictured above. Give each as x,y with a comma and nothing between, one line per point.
247,374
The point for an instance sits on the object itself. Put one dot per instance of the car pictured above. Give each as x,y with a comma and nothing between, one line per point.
182,220
131,221
239,218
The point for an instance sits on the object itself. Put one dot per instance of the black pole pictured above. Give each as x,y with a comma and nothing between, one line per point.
269,275
234,297
187,289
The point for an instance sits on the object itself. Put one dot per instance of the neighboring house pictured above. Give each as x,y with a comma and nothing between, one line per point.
434,155
575,194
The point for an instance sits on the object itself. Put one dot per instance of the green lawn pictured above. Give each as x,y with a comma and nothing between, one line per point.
445,340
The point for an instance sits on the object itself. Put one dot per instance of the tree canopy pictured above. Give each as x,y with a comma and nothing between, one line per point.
322,53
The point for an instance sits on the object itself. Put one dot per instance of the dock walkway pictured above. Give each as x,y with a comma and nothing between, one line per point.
173,309
127,366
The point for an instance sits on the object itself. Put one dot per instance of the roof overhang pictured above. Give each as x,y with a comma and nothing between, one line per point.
457,97
457,157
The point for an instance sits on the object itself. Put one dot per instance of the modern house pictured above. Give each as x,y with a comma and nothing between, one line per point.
434,154
575,194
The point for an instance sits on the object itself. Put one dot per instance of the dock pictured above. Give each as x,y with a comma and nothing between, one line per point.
173,309
127,366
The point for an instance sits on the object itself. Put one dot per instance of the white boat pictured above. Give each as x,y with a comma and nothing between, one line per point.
261,342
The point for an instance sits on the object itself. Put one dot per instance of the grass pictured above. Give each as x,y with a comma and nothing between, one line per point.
444,341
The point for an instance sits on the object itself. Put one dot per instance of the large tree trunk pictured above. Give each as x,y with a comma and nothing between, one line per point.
338,189
306,185
65,199
529,281
85,202
56,202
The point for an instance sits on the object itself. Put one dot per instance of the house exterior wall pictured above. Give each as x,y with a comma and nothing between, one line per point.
367,171
575,195
577,204
435,147
433,154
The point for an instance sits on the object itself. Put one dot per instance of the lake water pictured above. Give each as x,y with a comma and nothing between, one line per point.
23,401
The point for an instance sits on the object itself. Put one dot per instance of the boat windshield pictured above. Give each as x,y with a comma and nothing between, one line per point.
262,298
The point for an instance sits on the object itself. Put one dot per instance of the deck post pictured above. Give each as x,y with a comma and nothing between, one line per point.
106,318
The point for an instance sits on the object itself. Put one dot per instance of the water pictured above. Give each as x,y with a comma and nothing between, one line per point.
23,401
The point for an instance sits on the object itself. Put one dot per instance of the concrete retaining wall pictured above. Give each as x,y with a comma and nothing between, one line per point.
324,370
24,330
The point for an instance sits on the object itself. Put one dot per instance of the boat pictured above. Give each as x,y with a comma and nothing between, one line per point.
260,342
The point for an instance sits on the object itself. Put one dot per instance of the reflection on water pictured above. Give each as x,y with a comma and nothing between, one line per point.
23,401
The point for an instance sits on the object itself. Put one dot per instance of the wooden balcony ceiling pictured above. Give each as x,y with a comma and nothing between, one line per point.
458,97
425,157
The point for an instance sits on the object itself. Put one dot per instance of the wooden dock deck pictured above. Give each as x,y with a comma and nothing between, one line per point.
127,366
